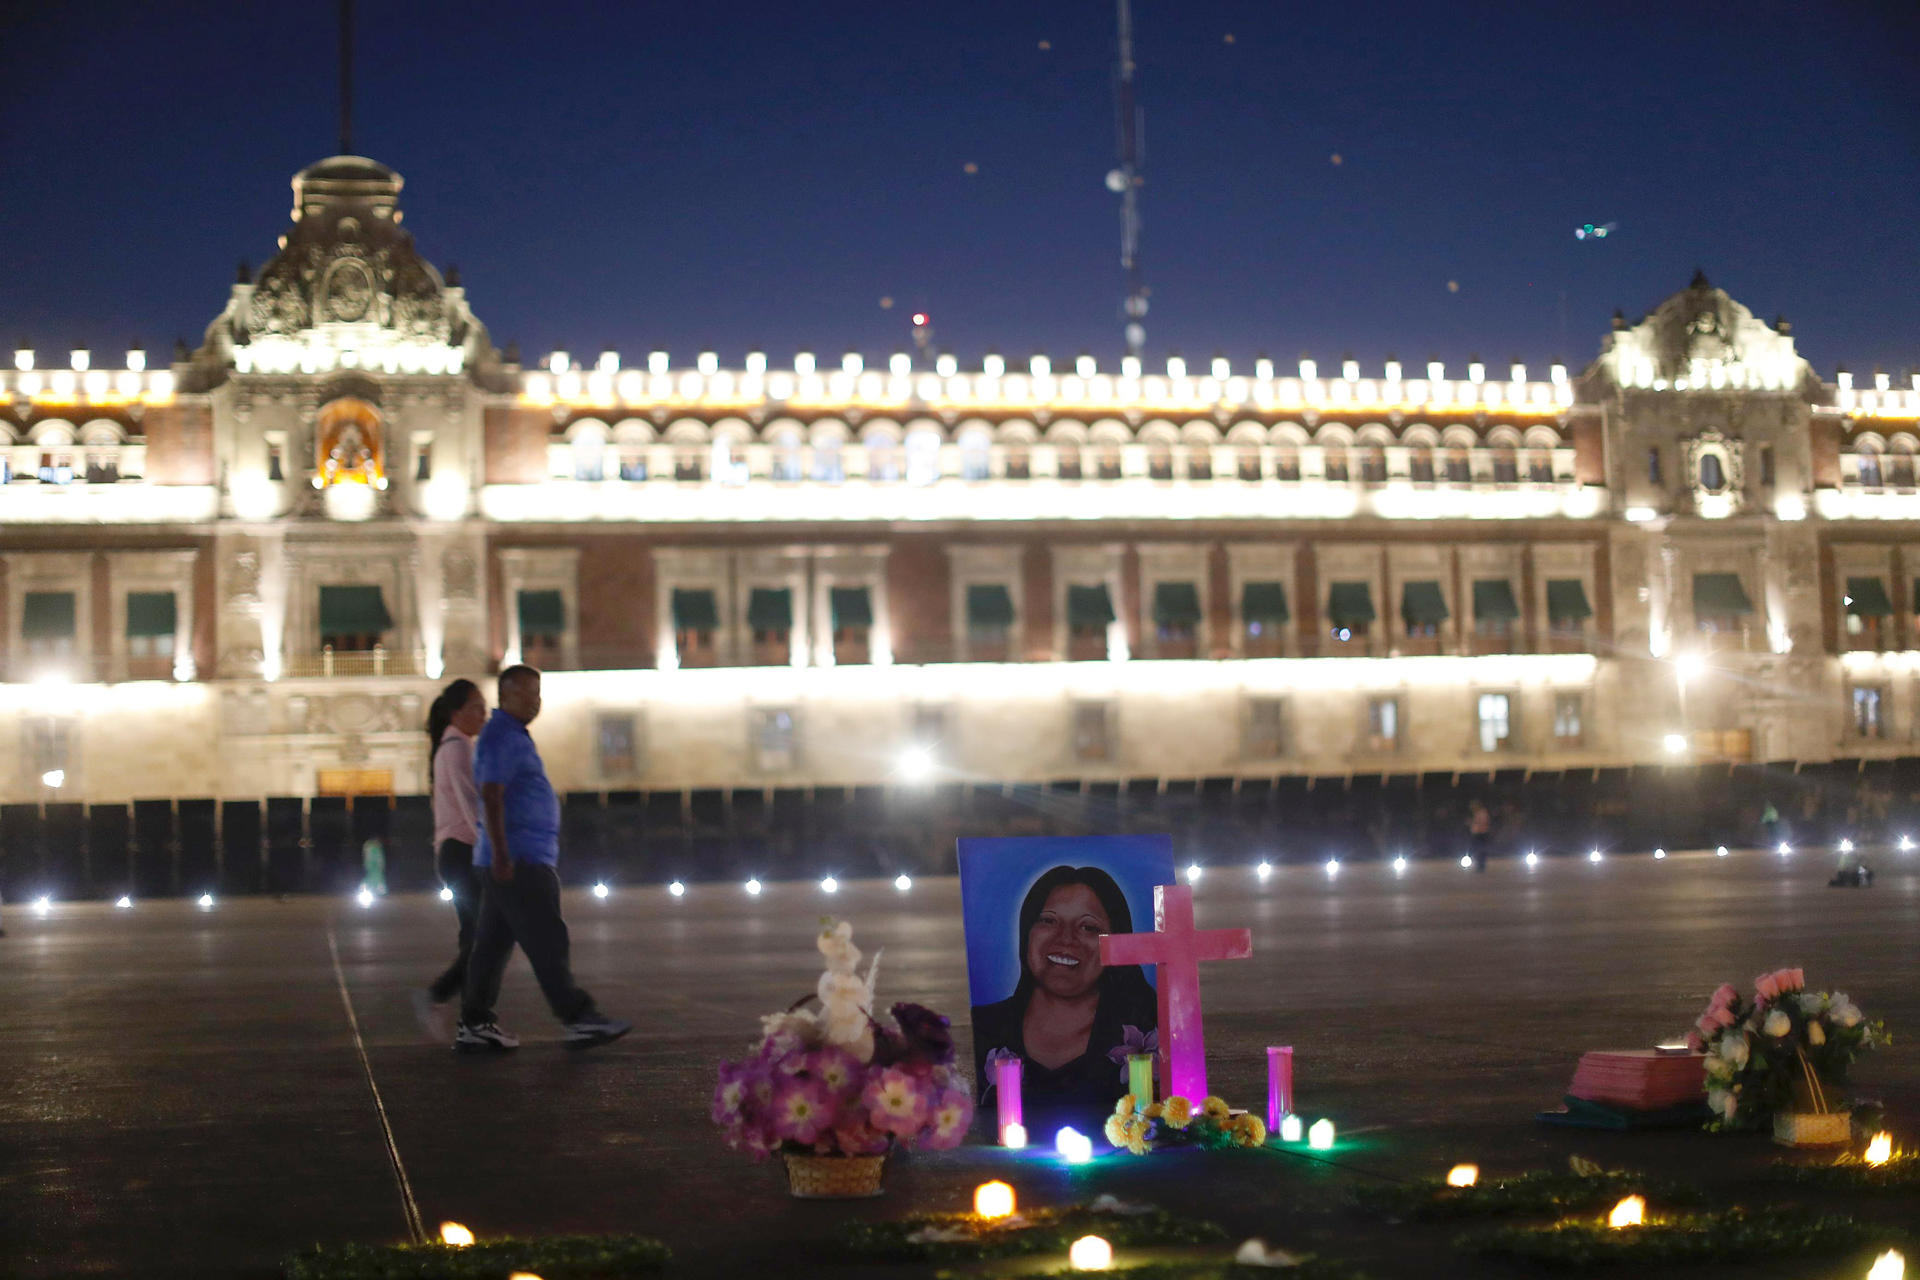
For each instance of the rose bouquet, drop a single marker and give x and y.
(1785, 1050)
(1140, 1127)
(836, 1080)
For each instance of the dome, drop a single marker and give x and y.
(353, 179)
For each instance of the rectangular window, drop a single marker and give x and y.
(633, 466)
(1766, 465)
(276, 469)
(989, 621)
(1540, 467)
(1286, 464)
(1089, 613)
(1336, 466)
(614, 746)
(56, 468)
(1264, 615)
(1247, 462)
(1067, 464)
(423, 462)
(1091, 732)
(1420, 466)
(773, 740)
(151, 623)
(696, 617)
(688, 464)
(770, 618)
(1160, 462)
(1383, 723)
(1107, 464)
(543, 624)
(47, 623)
(1176, 619)
(1265, 728)
(1567, 727)
(1019, 462)
(1459, 467)
(1199, 463)
(353, 619)
(1653, 467)
(1495, 723)
(852, 617)
(1506, 467)
(1869, 703)
(102, 467)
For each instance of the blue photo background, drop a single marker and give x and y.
(996, 874)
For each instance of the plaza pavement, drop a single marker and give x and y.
(180, 1091)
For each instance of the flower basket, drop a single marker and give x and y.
(835, 1177)
(1812, 1128)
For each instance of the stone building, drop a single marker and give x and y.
(246, 573)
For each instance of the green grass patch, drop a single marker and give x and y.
(1534, 1194)
(1850, 1173)
(961, 1237)
(1307, 1269)
(1733, 1235)
(550, 1258)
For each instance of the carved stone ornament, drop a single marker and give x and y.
(243, 578)
(1715, 467)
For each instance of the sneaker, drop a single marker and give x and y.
(485, 1038)
(595, 1028)
(435, 1016)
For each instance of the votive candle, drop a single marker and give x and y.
(1279, 1084)
(1140, 1077)
(1006, 1083)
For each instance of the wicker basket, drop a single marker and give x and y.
(835, 1177)
(1812, 1128)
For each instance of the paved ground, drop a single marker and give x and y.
(180, 1092)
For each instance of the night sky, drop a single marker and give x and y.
(730, 176)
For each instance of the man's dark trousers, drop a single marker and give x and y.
(525, 910)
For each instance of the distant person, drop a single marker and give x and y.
(517, 858)
(1068, 1011)
(1479, 833)
(453, 722)
(373, 866)
(1770, 824)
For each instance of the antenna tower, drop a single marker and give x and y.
(346, 77)
(1126, 181)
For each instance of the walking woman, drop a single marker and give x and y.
(453, 722)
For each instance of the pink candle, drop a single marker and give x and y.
(1006, 1084)
(1279, 1085)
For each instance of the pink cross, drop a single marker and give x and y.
(1177, 949)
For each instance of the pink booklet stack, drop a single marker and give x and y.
(1643, 1079)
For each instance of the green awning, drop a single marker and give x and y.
(542, 614)
(1089, 607)
(47, 615)
(1421, 604)
(1176, 604)
(770, 609)
(1350, 604)
(151, 613)
(1567, 600)
(1720, 595)
(852, 607)
(1264, 602)
(989, 605)
(694, 609)
(353, 611)
(1868, 598)
(1493, 601)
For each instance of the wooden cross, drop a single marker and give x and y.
(1176, 948)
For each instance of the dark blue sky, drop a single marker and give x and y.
(727, 175)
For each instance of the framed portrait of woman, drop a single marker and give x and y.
(1034, 909)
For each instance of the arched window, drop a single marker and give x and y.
(1199, 462)
(1106, 462)
(786, 456)
(1336, 464)
(1713, 476)
(1540, 466)
(1506, 466)
(1159, 460)
(1900, 465)
(1869, 467)
(1373, 465)
(976, 455)
(883, 457)
(1286, 463)
(828, 468)
(589, 455)
(923, 456)
(1459, 466)
(1420, 464)
(729, 461)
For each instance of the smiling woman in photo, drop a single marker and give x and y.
(1068, 1011)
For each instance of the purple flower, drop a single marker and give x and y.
(896, 1101)
(1133, 1040)
(839, 1071)
(802, 1111)
(730, 1095)
(951, 1113)
(924, 1034)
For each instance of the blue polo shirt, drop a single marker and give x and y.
(505, 754)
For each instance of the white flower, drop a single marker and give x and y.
(1816, 1034)
(1733, 1048)
(1717, 1100)
(1845, 1012)
(1719, 1069)
(1777, 1024)
(1811, 1002)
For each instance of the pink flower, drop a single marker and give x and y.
(1695, 1042)
(730, 1096)
(1724, 997)
(1723, 1017)
(837, 1069)
(1792, 979)
(1767, 986)
(896, 1101)
(856, 1136)
(802, 1111)
(952, 1113)
(1706, 1026)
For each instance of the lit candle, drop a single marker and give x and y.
(1279, 1084)
(1320, 1136)
(1140, 1077)
(1463, 1175)
(1090, 1253)
(1290, 1128)
(993, 1200)
(1880, 1149)
(1014, 1137)
(456, 1235)
(1006, 1083)
(1630, 1212)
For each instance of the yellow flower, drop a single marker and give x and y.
(1136, 1135)
(1125, 1107)
(1117, 1131)
(1153, 1112)
(1249, 1130)
(1177, 1112)
(1216, 1109)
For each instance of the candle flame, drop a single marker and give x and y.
(1090, 1253)
(1463, 1175)
(1631, 1212)
(1880, 1150)
(1014, 1136)
(1888, 1266)
(993, 1200)
(456, 1235)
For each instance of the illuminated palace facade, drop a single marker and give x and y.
(245, 573)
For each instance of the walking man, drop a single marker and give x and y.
(1480, 832)
(517, 860)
